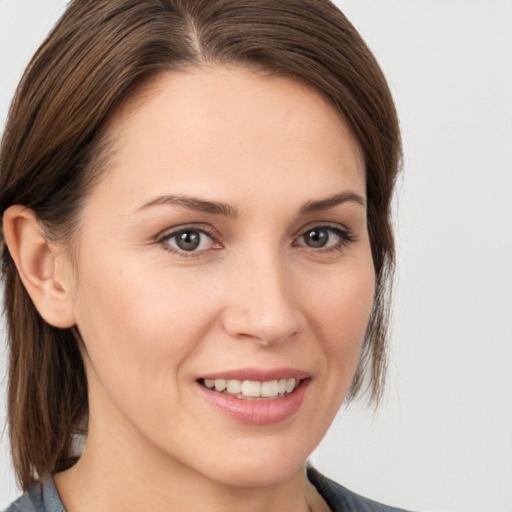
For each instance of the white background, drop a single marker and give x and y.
(442, 440)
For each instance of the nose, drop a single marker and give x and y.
(262, 304)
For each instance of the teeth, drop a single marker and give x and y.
(220, 384)
(252, 388)
(269, 388)
(234, 386)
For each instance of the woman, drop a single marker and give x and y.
(196, 202)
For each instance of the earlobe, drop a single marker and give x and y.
(36, 259)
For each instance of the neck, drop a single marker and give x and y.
(100, 481)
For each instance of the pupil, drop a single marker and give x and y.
(316, 237)
(189, 240)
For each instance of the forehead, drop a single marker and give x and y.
(210, 129)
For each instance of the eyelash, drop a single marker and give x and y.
(345, 238)
(167, 236)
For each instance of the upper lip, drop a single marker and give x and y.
(258, 374)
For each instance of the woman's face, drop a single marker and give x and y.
(225, 245)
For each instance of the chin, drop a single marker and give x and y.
(256, 475)
(258, 464)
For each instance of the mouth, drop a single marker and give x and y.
(255, 396)
(253, 390)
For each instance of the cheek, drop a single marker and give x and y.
(137, 327)
(341, 308)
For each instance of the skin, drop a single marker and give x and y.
(154, 319)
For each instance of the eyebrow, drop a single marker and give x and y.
(225, 209)
(192, 203)
(331, 202)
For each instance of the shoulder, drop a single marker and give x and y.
(38, 498)
(341, 499)
(30, 501)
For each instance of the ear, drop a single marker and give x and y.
(40, 266)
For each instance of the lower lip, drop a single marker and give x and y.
(258, 412)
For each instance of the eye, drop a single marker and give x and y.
(325, 237)
(188, 240)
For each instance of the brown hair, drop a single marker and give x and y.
(99, 53)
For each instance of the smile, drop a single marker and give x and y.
(256, 396)
(252, 389)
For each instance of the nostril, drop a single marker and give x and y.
(262, 327)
